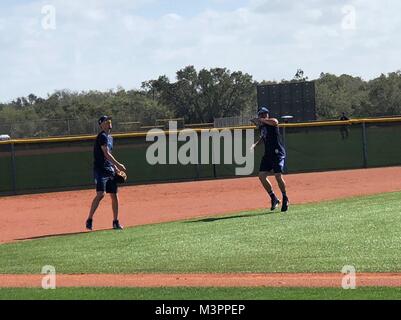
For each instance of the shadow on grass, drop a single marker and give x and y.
(251, 215)
(59, 235)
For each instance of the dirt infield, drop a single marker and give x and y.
(33, 216)
(293, 280)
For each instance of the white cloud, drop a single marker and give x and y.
(101, 44)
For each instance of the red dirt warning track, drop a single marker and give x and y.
(31, 216)
(304, 280)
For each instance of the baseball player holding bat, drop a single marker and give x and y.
(274, 157)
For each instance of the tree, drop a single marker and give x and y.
(204, 95)
(299, 76)
(198, 96)
(385, 95)
(345, 93)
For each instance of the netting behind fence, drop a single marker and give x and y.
(227, 122)
(69, 127)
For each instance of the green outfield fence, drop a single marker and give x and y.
(43, 165)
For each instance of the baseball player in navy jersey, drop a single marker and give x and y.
(105, 167)
(274, 157)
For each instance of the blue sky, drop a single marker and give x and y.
(102, 44)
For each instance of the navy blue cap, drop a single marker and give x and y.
(263, 110)
(103, 119)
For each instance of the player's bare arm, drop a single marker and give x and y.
(113, 160)
(270, 122)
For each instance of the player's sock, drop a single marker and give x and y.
(272, 195)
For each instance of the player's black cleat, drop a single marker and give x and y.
(89, 224)
(286, 203)
(275, 203)
(116, 225)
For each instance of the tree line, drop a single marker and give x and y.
(200, 96)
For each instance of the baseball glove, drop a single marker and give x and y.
(120, 177)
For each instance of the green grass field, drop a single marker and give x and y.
(364, 232)
(201, 294)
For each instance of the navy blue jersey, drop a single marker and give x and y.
(273, 142)
(101, 163)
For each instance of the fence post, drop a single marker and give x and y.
(13, 169)
(365, 145)
(68, 127)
